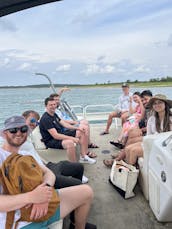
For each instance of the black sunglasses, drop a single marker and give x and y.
(23, 129)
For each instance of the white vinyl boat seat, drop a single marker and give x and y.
(56, 225)
(54, 155)
(143, 163)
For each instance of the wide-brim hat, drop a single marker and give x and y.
(12, 122)
(160, 97)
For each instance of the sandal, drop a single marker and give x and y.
(92, 145)
(91, 154)
(108, 162)
(120, 156)
(104, 132)
(117, 144)
(114, 156)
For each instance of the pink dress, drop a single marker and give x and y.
(132, 121)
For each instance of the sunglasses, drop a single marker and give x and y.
(23, 129)
(33, 120)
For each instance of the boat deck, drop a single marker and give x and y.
(109, 209)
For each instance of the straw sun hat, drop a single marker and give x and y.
(162, 98)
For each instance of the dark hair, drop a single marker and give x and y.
(136, 93)
(47, 100)
(166, 122)
(146, 93)
(28, 112)
(54, 95)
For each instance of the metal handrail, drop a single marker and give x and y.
(85, 110)
(80, 107)
(167, 141)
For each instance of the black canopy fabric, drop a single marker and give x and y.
(12, 6)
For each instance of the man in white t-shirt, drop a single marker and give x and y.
(15, 134)
(122, 110)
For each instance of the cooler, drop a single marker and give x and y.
(160, 178)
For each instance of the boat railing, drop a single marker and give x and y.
(79, 111)
(97, 112)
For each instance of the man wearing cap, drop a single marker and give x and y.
(122, 110)
(15, 132)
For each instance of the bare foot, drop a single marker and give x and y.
(120, 156)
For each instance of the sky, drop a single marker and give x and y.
(87, 42)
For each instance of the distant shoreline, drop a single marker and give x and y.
(132, 84)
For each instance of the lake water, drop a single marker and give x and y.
(15, 101)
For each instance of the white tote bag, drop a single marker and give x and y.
(124, 177)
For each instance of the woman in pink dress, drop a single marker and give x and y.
(136, 114)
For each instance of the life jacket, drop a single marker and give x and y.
(21, 174)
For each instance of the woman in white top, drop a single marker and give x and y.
(161, 120)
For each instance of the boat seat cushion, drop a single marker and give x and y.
(36, 139)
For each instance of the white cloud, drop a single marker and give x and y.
(95, 68)
(142, 69)
(63, 68)
(4, 62)
(24, 67)
(7, 25)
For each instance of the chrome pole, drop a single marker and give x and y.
(47, 77)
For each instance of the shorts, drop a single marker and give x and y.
(70, 132)
(119, 114)
(57, 144)
(44, 224)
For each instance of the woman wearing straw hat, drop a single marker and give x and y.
(161, 121)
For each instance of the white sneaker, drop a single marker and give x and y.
(84, 179)
(87, 159)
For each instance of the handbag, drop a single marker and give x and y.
(124, 177)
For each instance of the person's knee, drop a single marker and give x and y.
(79, 167)
(89, 194)
(84, 122)
(112, 115)
(69, 144)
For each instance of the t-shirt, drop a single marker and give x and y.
(63, 115)
(28, 147)
(48, 122)
(124, 102)
(3, 155)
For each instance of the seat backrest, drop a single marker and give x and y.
(36, 139)
(147, 146)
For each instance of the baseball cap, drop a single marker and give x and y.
(14, 121)
(124, 85)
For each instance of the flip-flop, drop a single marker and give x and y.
(108, 162)
(92, 145)
(117, 144)
(91, 154)
(104, 132)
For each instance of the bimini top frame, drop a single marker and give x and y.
(12, 6)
